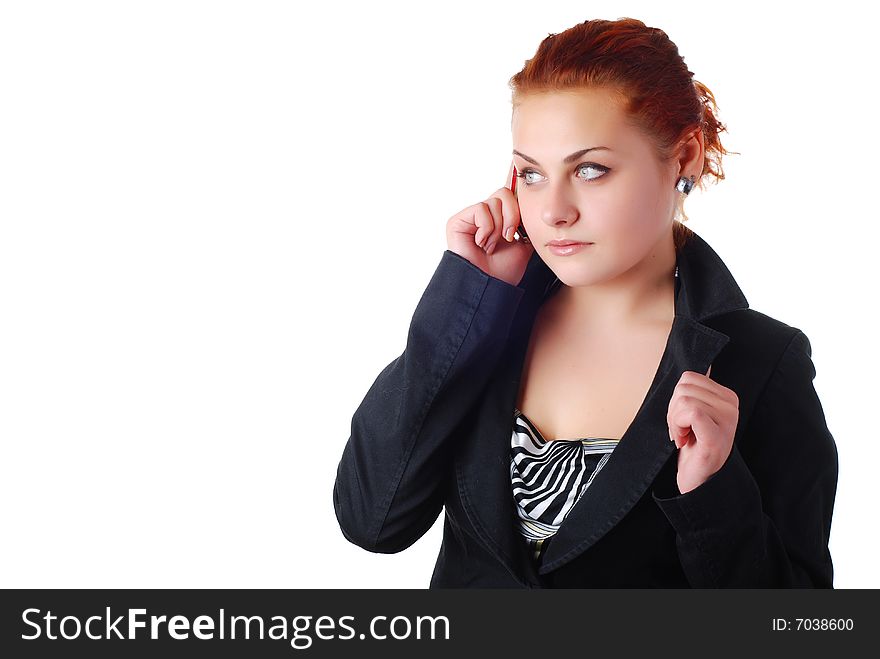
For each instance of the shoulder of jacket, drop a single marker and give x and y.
(758, 338)
(751, 325)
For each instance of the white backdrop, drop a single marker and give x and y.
(216, 220)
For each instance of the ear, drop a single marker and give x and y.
(692, 153)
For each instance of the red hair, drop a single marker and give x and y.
(643, 67)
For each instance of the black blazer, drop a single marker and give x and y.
(434, 430)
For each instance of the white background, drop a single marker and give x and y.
(218, 218)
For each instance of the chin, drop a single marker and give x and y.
(574, 276)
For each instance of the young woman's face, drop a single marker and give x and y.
(621, 198)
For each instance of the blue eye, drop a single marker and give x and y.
(587, 165)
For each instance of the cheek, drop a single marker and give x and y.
(639, 207)
(621, 214)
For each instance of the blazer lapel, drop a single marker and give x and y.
(641, 452)
(482, 463)
(706, 288)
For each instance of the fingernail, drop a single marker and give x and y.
(508, 234)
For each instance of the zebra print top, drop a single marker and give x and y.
(548, 478)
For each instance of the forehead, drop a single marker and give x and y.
(572, 119)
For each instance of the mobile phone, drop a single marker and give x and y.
(521, 230)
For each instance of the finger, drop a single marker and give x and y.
(709, 396)
(698, 380)
(510, 217)
(485, 225)
(702, 425)
(678, 433)
(496, 207)
(681, 439)
(705, 382)
(463, 221)
(690, 411)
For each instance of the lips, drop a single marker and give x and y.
(563, 243)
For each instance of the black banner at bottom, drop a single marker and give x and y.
(392, 623)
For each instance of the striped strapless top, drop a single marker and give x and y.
(548, 478)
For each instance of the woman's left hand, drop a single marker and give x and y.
(702, 421)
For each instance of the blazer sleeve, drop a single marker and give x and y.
(390, 482)
(765, 524)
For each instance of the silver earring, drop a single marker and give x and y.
(685, 185)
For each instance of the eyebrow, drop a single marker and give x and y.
(568, 159)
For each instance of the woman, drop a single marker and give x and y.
(607, 414)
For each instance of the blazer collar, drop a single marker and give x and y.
(705, 288)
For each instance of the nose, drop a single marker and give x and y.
(559, 208)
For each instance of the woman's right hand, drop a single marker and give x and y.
(478, 234)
